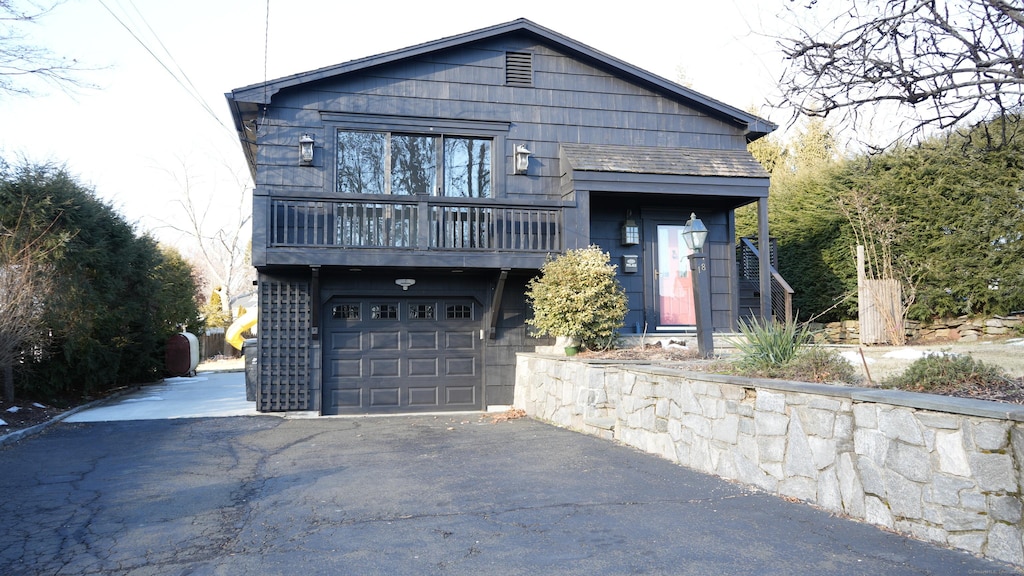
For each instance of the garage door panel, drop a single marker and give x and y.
(423, 395)
(460, 395)
(460, 366)
(422, 340)
(462, 340)
(345, 368)
(385, 340)
(347, 397)
(384, 367)
(386, 397)
(423, 367)
(347, 341)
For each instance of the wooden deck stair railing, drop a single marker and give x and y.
(781, 293)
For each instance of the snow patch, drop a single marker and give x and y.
(38, 405)
(853, 357)
(2, 423)
(912, 354)
(14, 409)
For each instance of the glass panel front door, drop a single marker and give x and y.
(675, 286)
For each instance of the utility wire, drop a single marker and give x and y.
(194, 90)
(190, 89)
(266, 51)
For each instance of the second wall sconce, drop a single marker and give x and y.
(522, 159)
(305, 150)
(630, 231)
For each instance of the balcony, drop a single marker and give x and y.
(436, 224)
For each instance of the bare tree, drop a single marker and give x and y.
(892, 277)
(22, 61)
(937, 63)
(220, 234)
(24, 289)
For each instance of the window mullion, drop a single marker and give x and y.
(387, 163)
(439, 162)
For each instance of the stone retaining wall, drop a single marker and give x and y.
(962, 329)
(946, 470)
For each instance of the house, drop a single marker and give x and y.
(404, 200)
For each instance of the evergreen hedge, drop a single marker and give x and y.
(117, 296)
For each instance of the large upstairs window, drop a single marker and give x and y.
(413, 164)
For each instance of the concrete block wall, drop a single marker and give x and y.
(947, 470)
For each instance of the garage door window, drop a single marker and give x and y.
(384, 312)
(346, 311)
(421, 311)
(459, 311)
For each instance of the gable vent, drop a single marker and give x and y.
(519, 69)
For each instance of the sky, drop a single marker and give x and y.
(149, 125)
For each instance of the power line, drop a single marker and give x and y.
(190, 88)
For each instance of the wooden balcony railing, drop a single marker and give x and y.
(415, 225)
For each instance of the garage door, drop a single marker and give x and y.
(402, 355)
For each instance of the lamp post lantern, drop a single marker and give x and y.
(695, 234)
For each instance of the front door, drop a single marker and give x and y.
(401, 355)
(674, 297)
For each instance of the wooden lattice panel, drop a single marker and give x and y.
(284, 364)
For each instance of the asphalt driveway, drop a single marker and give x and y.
(405, 495)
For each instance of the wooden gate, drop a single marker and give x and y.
(879, 307)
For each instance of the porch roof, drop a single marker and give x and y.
(665, 161)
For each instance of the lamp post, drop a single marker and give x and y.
(695, 234)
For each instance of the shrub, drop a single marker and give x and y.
(577, 296)
(786, 350)
(947, 374)
(770, 344)
(817, 364)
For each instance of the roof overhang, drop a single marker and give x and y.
(733, 177)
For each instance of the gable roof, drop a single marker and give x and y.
(246, 100)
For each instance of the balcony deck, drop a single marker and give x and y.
(451, 229)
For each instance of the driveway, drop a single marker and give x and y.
(451, 494)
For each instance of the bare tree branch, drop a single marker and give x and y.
(941, 63)
(220, 238)
(21, 60)
(25, 284)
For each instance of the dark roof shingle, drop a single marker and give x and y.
(657, 160)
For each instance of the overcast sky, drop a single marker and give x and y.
(142, 125)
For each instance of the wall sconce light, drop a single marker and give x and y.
(630, 231)
(522, 159)
(305, 150)
(405, 283)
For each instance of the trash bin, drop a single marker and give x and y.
(250, 353)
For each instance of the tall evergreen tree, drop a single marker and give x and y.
(804, 220)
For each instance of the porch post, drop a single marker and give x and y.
(764, 260)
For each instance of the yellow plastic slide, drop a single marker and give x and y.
(233, 335)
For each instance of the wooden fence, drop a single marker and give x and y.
(212, 344)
